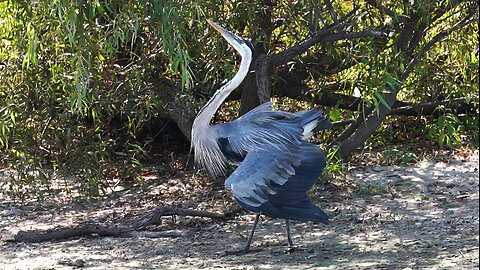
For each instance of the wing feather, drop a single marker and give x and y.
(262, 128)
(266, 182)
(279, 166)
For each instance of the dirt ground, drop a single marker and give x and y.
(424, 216)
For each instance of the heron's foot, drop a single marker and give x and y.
(292, 249)
(240, 252)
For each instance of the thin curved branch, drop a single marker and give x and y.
(128, 228)
(398, 17)
(322, 36)
(319, 36)
(332, 11)
(287, 55)
(438, 37)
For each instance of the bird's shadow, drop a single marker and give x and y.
(241, 252)
(288, 250)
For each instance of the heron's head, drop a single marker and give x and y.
(239, 43)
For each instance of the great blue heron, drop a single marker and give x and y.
(276, 165)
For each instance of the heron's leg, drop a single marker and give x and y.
(246, 248)
(250, 237)
(249, 240)
(290, 242)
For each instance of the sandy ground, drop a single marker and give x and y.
(424, 216)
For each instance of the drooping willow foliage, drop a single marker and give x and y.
(80, 79)
(75, 84)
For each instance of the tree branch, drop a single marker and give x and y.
(353, 35)
(332, 11)
(392, 14)
(173, 211)
(410, 109)
(325, 35)
(469, 18)
(83, 229)
(263, 65)
(120, 230)
(285, 56)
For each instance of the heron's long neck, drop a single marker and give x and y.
(208, 111)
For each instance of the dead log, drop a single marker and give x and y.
(84, 229)
(154, 216)
(92, 228)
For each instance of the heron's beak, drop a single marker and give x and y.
(231, 38)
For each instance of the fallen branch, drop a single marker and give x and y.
(120, 230)
(83, 229)
(160, 234)
(155, 215)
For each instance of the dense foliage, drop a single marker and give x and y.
(81, 81)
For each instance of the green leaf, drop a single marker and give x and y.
(441, 122)
(334, 114)
(441, 140)
(382, 100)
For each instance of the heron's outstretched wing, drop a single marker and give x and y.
(275, 183)
(263, 127)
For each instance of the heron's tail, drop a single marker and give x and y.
(307, 212)
(313, 120)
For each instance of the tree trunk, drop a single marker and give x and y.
(256, 86)
(249, 99)
(363, 131)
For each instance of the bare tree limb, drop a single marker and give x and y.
(434, 104)
(132, 229)
(342, 123)
(332, 11)
(83, 229)
(352, 127)
(172, 211)
(409, 110)
(392, 14)
(290, 53)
